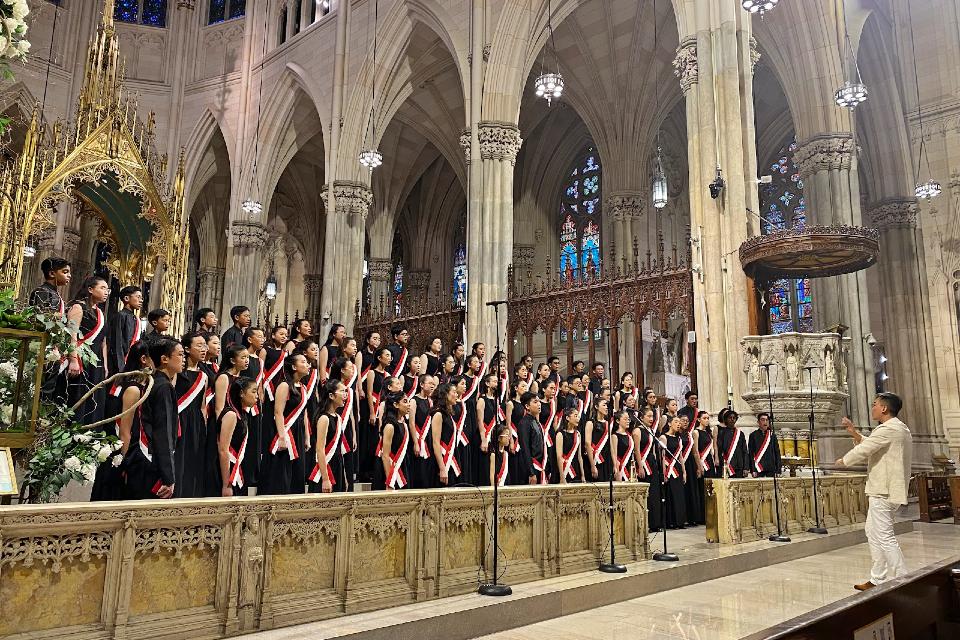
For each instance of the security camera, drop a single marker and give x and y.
(716, 187)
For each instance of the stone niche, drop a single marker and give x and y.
(789, 355)
(220, 567)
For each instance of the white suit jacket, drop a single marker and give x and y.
(888, 452)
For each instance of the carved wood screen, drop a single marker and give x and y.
(659, 286)
(425, 313)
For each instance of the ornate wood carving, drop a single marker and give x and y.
(431, 313)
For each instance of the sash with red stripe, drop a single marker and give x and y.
(116, 390)
(687, 448)
(761, 452)
(541, 467)
(546, 425)
(329, 449)
(568, 470)
(288, 422)
(645, 455)
(143, 441)
(471, 389)
(420, 447)
(670, 461)
(487, 427)
(502, 472)
(191, 394)
(236, 458)
(448, 449)
(514, 434)
(345, 416)
(138, 329)
(401, 363)
(397, 479)
(622, 474)
(458, 424)
(268, 383)
(308, 391)
(728, 456)
(604, 438)
(705, 456)
(95, 331)
(413, 388)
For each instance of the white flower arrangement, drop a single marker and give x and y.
(13, 29)
(72, 464)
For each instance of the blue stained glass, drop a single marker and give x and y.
(786, 198)
(218, 11)
(591, 250)
(460, 276)
(563, 335)
(580, 210)
(569, 260)
(591, 185)
(155, 13)
(398, 287)
(126, 10)
(591, 165)
(238, 8)
(573, 191)
(591, 205)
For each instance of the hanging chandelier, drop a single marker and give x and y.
(370, 157)
(252, 207)
(758, 6)
(851, 94)
(549, 84)
(928, 190)
(659, 183)
(931, 188)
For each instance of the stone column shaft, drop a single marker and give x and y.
(343, 251)
(244, 262)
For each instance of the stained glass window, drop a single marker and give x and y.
(460, 276)
(789, 302)
(579, 219)
(126, 10)
(283, 26)
(237, 8)
(155, 13)
(149, 12)
(398, 287)
(218, 11)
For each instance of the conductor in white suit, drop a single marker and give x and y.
(887, 452)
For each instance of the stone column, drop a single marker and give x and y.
(312, 285)
(245, 253)
(490, 234)
(832, 193)
(291, 19)
(720, 133)
(380, 272)
(626, 210)
(906, 338)
(211, 290)
(343, 251)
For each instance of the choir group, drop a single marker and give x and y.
(286, 413)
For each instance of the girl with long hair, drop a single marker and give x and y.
(328, 472)
(431, 359)
(569, 464)
(645, 453)
(331, 349)
(598, 431)
(393, 471)
(234, 436)
(192, 438)
(445, 436)
(300, 330)
(85, 313)
(283, 467)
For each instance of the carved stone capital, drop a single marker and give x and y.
(312, 282)
(827, 152)
(417, 280)
(685, 64)
(46, 240)
(380, 270)
(624, 206)
(892, 214)
(499, 141)
(210, 276)
(523, 255)
(248, 234)
(754, 54)
(350, 198)
(465, 144)
(71, 241)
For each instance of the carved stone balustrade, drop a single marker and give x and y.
(220, 567)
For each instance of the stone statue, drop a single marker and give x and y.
(251, 572)
(829, 368)
(755, 369)
(793, 370)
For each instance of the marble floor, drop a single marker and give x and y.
(742, 604)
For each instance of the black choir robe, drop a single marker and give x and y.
(770, 462)
(158, 425)
(123, 327)
(740, 457)
(233, 335)
(531, 448)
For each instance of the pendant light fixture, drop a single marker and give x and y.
(852, 92)
(758, 6)
(659, 176)
(252, 205)
(370, 157)
(549, 84)
(931, 188)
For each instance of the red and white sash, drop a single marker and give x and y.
(514, 434)
(624, 460)
(581, 407)
(95, 331)
(502, 473)
(144, 444)
(268, 384)
(116, 390)
(346, 413)
(541, 467)
(546, 425)
(728, 456)
(413, 388)
(329, 449)
(288, 422)
(136, 335)
(236, 458)
(191, 394)
(645, 455)
(458, 424)
(487, 427)
(670, 460)
(705, 456)
(447, 451)
(397, 479)
(568, 471)
(471, 389)
(688, 448)
(421, 447)
(599, 445)
(763, 450)
(401, 364)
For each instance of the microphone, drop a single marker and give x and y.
(496, 303)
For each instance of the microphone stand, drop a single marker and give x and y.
(612, 566)
(495, 588)
(817, 528)
(779, 537)
(664, 556)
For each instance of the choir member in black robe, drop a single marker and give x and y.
(371, 344)
(693, 488)
(531, 442)
(732, 446)
(56, 273)
(706, 446)
(674, 475)
(690, 411)
(399, 350)
(369, 428)
(472, 379)
(328, 472)
(393, 472)
(423, 466)
(331, 349)
(85, 313)
(241, 320)
(553, 364)
(159, 321)
(627, 388)
(648, 463)
(193, 457)
(431, 359)
(206, 320)
(499, 456)
(764, 449)
(445, 435)
(346, 371)
(514, 413)
(254, 339)
(234, 436)
(488, 414)
(596, 378)
(448, 368)
(549, 420)
(568, 444)
(299, 331)
(459, 352)
(124, 329)
(597, 433)
(149, 464)
(282, 468)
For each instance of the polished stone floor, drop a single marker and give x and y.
(742, 604)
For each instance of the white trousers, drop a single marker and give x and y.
(884, 549)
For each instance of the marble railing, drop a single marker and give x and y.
(742, 510)
(214, 567)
